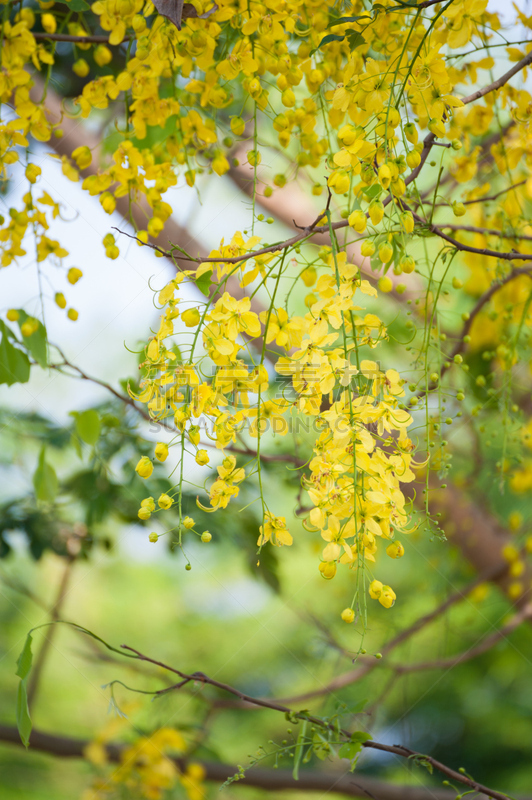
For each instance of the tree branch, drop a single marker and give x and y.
(482, 647)
(269, 779)
(398, 750)
(66, 37)
(367, 664)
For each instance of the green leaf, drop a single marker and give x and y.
(45, 480)
(355, 39)
(349, 750)
(373, 191)
(331, 37)
(23, 714)
(25, 659)
(88, 426)
(204, 282)
(14, 364)
(344, 20)
(299, 750)
(360, 736)
(24, 663)
(37, 342)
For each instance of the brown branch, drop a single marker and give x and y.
(66, 37)
(482, 647)
(480, 251)
(499, 83)
(485, 199)
(368, 664)
(398, 750)
(481, 302)
(75, 135)
(487, 231)
(267, 779)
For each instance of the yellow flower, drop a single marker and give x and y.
(387, 597)
(395, 550)
(191, 317)
(375, 590)
(202, 458)
(275, 531)
(358, 221)
(74, 274)
(165, 501)
(161, 451)
(144, 467)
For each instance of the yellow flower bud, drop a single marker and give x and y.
(375, 589)
(148, 503)
(102, 55)
(194, 434)
(32, 172)
(73, 275)
(385, 252)
(12, 315)
(144, 513)
(82, 156)
(72, 314)
(358, 221)
(385, 284)
(308, 276)
(112, 252)
(238, 126)
(288, 98)
(437, 127)
(407, 264)
(108, 202)
(395, 550)
(81, 68)
(459, 209)
(310, 299)
(161, 451)
(191, 317)
(153, 537)
(155, 226)
(348, 615)
(367, 248)
(202, 458)
(254, 157)
(376, 211)
(188, 523)
(49, 23)
(328, 569)
(407, 221)
(413, 159)
(165, 501)
(206, 536)
(411, 133)
(384, 175)
(387, 597)
(144, 467)
(60, 299)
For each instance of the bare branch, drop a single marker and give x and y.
(482, 647)
(398, 750)
(268, 779)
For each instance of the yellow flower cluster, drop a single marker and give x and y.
(362, 453)
(351, 107)
(145, 768)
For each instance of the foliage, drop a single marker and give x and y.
(333, 390)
